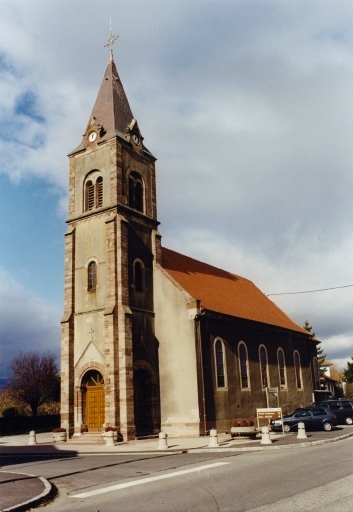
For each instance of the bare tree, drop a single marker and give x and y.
(35, 379)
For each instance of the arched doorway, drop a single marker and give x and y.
(144, 390)
(93, 400)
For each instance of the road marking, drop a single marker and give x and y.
(146, 480)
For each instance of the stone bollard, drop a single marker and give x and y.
(301, 431)
(265, 439)
(213, 438)
(110, 438)
(32, 438)
(162, 443)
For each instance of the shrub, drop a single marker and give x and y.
(243, 423)
(10, 412)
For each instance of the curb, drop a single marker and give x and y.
(48, 493)
(204, 449)
(257, 448)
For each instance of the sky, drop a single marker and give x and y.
(248, 107)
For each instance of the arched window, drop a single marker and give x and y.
(89, 196)
(93, 191)
(263, 367)
(136, 191)
(139, 196)
(92, 276)
(298, 370)
(316, 373)
(139, 276)
(281, 369)
(131, 191)
(220, 364)
(243, 366)
(99, 192)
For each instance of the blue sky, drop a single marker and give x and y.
(33, 220)
(247, 105)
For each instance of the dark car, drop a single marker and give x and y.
(314, 418)
(342, 409)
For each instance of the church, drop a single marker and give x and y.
(153, 340)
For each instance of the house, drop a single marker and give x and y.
(329, 386)
(152, 339)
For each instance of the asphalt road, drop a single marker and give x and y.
(301, 479)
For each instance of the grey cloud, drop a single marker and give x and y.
(26, 324)
(247, 105)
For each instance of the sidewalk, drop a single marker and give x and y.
(23, 491)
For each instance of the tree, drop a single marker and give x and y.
(336, 373)
(348, 391)
(321, 357)
(308, 328)
(35, 379)
(348, 372)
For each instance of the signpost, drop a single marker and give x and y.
(272, 397)
(265, 415)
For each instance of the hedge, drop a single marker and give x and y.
(23, 424)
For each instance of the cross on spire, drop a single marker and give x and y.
(111, 40)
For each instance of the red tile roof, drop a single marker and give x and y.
(222, 292)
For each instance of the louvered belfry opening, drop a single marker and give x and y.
(89, 199)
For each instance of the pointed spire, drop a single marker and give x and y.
(112, 109)
(111, 115)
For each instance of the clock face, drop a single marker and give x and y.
(92, 136)
(135, 139)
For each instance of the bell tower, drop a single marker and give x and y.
(109, 354)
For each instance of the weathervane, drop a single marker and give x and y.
(111, 40)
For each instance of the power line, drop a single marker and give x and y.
(312, 291)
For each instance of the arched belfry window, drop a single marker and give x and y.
(220, 364)
(92, 276)
(263, 366)
(93, 191)
(136, 192)
(99, 192)
(89, 196)
(281, 369)
(243, 366)
(298, 370)
(139, 276)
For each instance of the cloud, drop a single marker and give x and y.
(248, 107)
(26, 323)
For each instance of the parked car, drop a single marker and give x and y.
(314, 418)
(342, 409)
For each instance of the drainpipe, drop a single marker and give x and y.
(199, 349)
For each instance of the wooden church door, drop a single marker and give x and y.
(94, 401)
(95, 404)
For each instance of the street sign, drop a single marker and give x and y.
(266, 414)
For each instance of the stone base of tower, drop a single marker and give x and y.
(128, 433)
(181, 429)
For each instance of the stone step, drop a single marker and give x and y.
(87, 438)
